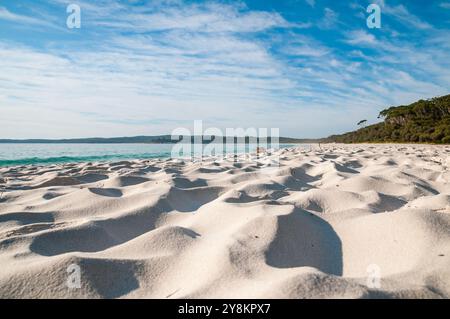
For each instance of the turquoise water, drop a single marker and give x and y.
(23, 154)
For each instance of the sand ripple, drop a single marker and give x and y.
(316, 226)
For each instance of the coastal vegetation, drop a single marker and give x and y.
(424, 121)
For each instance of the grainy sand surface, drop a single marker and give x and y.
(343, 221)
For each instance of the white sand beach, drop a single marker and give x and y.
(340, 221)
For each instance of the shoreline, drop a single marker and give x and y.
(36, 161)
(143, 157)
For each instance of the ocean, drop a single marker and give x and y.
(25, 154)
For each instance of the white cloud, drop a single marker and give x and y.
(306, 47)
(329, 20)
(381, 3)
(161, 65)
(202, 17)
(361, 37)
(7, 15)
(312, 3)
(305, 50)
(402, 14)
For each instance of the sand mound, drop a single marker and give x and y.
(343, 221)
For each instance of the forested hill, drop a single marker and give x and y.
(161, 139)
(424, 121)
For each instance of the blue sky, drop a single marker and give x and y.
(135, 67)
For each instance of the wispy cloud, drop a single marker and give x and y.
(312, 3)
(402, 14)
(170, 15)
(329, 20)
(361, 37)
(7, 15)
(304, 46)
(144, 69)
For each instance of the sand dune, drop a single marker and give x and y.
(340, 221)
